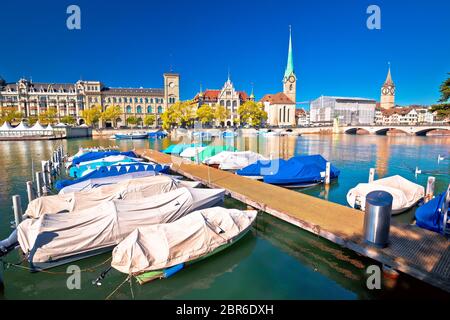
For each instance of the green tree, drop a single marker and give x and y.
(221, 113)
(252, 113)
(31, 120)
(112, 113)
(68, 120)
(205, 113)
(50, 116)
(179, 114)
(445, 90)
(92, 115)
(132, 121)
(10, 115)
(149, 120)
(443, 109)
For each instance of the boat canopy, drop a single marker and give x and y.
(262, 168)
(124, 190)
(405, 193)
(94, 155)
(430, 215)
(37, 126)
(179, 148)
(301, 170)
(53, 237)
(191, 152)
(80, 169)
(21, 127)
(49, 127)
(229, 160)
(6, 126)
(194, 236)
(210, 151)
(115, 170)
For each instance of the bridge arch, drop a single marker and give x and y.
(425, 131)
(357, 130)
(384, 131)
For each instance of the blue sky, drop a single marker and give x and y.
(131, 43)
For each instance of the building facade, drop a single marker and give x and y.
(33, 98)
(347, 110)
(413, 115)
(228, 97)
(280, 107)
(387, 100)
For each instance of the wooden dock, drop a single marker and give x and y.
(414, 251)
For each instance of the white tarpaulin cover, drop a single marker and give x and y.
(161, 246)
(191, 152)
(21, 127)
(405, 193)
(124, 190)
(58, 236)
(6, 126)
(37, 126)
(228, 160)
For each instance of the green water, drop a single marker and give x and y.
(274, 261)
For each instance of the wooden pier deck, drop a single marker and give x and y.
(414, 251)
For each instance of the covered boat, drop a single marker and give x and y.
(301, 171)
(6, 126)
(191, 153)
(151, 252)
(157, 135)
(80, 169)
(229, 134)
(112, 171)
(125, 190)
(406, 194)
(55, 239)
(229, 160)
(261, 168)
(176, 149)
(131, 136)
(435, 214)
(210, 151)
(95, 155)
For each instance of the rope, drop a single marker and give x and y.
(115, 290)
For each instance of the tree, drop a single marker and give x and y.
(112, 113)
(132, 120)
(49, 116)
(31, 120)
(149, 120)
(92, 115)
(221, 114)
(443, 109)
(445, 90)
(252, 113)
(68, 120)
(205, 113)
(179, 114)
(10, 115)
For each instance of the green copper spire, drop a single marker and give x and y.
(290, 61)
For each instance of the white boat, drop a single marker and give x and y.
(405, 193)
(229, 160)
(195, 236)
(191, 152)
(124, 190)
(56, 239)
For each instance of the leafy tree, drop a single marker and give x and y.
(132, 120)
(31, 120)
(221, 113)
(50, 116)
(443, 109)
(91, 115)
(445, 90)
(149, 120)
(10, 115)
(112, 113)
(179, 114)
(205, 113)
(252, 113)
(68, 120)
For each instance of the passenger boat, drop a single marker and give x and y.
(159, 251)
(131, 136)
(57, 239)
(405, 193)
(233, 160)
(435, 214)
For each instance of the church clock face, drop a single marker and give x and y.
(392, 90)
(291, 79)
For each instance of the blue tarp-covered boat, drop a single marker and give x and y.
(261, 168)
(115, 170)
(430, 216)
(101, 154)
(79, 170)
(302, 171)
(157, 135)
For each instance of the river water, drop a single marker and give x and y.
(274, 261)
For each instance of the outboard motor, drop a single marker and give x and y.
(8, 244)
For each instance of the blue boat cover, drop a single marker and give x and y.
(300, 170)
(428, 215)
(158, 134)
(262, 168)
(77, 171)
(101, 154)
(112, 171)
(179, 148)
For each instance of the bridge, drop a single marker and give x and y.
(383, 129)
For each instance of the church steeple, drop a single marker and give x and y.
(389, 77)
(290, 61)
(387, 100)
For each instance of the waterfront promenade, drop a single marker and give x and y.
(414, 251)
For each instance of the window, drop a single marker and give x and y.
(138, 109)
(136, 100)
(141, 100)
(146, 100)
(149, 109)
(160, 109)
(151, 100)
(128, 110)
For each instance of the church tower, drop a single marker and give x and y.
(387, 100)
(290, 79)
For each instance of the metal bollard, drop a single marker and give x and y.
(30, 191)
(39, 183)
(327, 173)
(377, 218)
(44, 170)
(17, 207)
(430, 189)
(371, 175)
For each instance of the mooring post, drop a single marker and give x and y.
(44, 170)
(30, 191)
(39, 183)
(430, 189)
(17, 207)
(371, 175)
(327, 173)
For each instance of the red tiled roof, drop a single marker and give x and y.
(278, 98)
(300, 112)
(213, 95)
